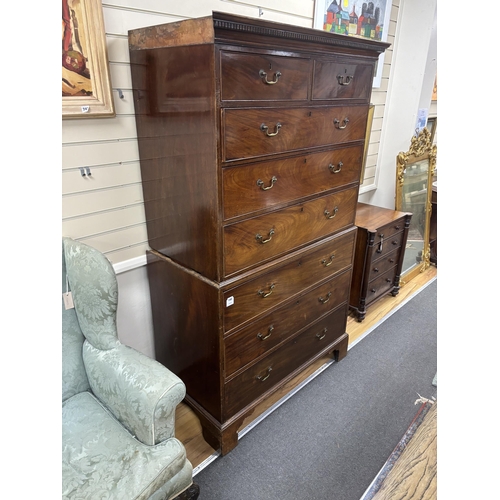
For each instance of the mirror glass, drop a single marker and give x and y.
(414, 200)
(415, 174)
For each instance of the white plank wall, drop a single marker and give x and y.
(106, 209)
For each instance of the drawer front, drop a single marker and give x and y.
(267, 184)
(382, 265)
(251, 342)
(251, 133)
(252, 298)
(264, 77)
(386, 243)
(265, 374)
(339, 80)
(262, 238)
(380, 286)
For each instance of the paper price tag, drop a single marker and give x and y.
(229, 301)
(68, 300)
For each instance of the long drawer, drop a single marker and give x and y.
(269, 371)
(264, 77)
(262, 238)
(259, 295)
(248, 344)
(256, 132)
(264, 185)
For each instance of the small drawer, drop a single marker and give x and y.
(383, 264)
(381, 285)
(291, 279)
(264, 185)
(262, 77)
(256, 132)
(250, 343)
(342, 80)
(268, 236)
(385, 243)
(261, 377)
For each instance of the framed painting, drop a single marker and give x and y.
(86, 84)
(353, 18)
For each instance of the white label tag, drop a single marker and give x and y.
(68, 300)
(85, 109)
(229, 301)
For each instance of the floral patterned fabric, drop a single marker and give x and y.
(118, 404)
(102, 461)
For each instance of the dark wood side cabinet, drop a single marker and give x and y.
(380, 247)
(251, 141)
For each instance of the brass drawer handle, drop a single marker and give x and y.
(263, 378)
(328, 215)
(266, 294)
(265, 129)
(348, 79)
(328, 262)
(334, 170)
(260, 183)
(345, 121)
(258, 237)
(269, 333)
(263, 75)
(324, 300)
(322, 335)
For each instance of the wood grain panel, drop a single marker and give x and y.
(290, 280)
(295, 178)
(300, 128)
(285, 78)
(286, 229)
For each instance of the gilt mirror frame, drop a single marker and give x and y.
(421, 149)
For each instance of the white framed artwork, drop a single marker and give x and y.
(355, 18)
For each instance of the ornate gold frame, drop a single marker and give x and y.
(91, 31)
(421, 148)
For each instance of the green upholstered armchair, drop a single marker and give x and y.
(118, 405)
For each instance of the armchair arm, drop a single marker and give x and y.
(139, 391)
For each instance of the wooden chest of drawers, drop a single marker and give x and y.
(251, 138)
(380, 247)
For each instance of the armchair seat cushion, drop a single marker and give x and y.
(102, 460)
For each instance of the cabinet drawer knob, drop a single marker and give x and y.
(328, 215)
(328, 262)
(395, 242)
(391, 261)
(345, 121)
(266, 294)
(388, 280)
(263, 75)
(373, 290)
(397, 228)
(259, 237)
(337, 169)
(375, 270)
(348, 79)
(260, 183)
(269, 333)
(324, 300)
(265, 129)
(322, 335)
(263, 378)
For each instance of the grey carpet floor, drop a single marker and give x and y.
(330, 440)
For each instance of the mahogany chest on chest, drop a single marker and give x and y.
(251, 139)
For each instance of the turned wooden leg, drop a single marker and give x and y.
(190, 494)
